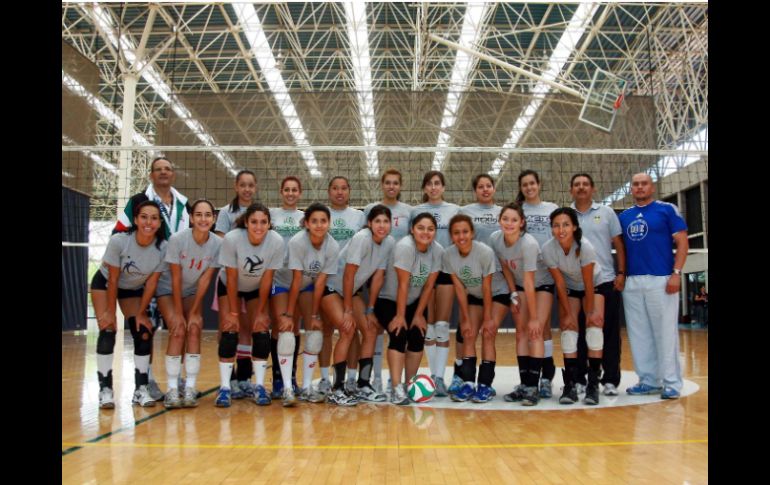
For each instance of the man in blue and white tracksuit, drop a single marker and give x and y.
(651, 296)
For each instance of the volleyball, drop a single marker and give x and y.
(421, 388)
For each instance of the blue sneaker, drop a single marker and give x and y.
(277, 389)
(261, 397)
(223, 398)
(465, 392)
(641, 389)
(483, 394)
(235, 390)
(669, 393)
(456, 384)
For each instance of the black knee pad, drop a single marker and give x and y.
(228, 344)
(459, 335)
(260, 345)
(398, 342)
(142, 338)
(415, 340)
(105, 344)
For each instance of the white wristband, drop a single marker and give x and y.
(514, 298)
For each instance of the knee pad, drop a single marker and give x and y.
(430, 332)
(314, 341)
(569, 339)
(286, 343)
(595, 338)
(105, 344)
(260, 345)
(142, 338)
(398, 342)
(228, 344)
(442, 331)
(414, 340)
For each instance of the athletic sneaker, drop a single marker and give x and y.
(516, 395)
(669, 393)
(465, 392)
(277, 392)
(289, 399)
(311, 395)
(340, 398)
(324, 386)
(581, 388)
(235, 390)
(181, 382)
(569, 394)
(223, 399)
(440, 387)
(172, 400)
(190, 398)
(246, 388)
(367, 393)
(261, 396)
(483, 394)
(545, 388)
(641, 389)
(351, 386)
(398, 395)
(455, 385)
(610, 390)
(142, 397)
(377, 384)
(592, 395)
(154, 390)
(530, 396)
(106, 398)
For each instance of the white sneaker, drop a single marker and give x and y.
(367, 393)
(172, 399)
(610, 390)
(142, 397)
(351, 387)
(398, 395)
(324, 386)
(190, 399)
(106, 399)
(377, 384)
(289, 399)
(311, 395)
(154, 390)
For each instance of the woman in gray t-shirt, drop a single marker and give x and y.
(571, 259)
(483, 306)
(365, 255)
(131, 267)
(245, 190)
(192, 256)
(250, 254)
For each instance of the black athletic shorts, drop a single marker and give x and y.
(99, 282)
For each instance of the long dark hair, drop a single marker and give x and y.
(234, 204)
(572, 214)
(160, 234)
(426, 178)
(255, 207)
(520, 198)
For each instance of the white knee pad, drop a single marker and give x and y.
(569, 339)
(442, 331)
(286, 343)
(595, 338)
(314, 341)
(430, 332)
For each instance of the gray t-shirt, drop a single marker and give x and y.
(136, 263)
(193, 258)
(472, 269)
(286, 222)
(521, 257)
(226, 219)
(600, 224)
(345, 224)
(539, 226)
(570, 264)
(420, 265)
(364, 252)
(443, 212)
(484, 220)
(311, 261)
(251, 261)
(401, 218)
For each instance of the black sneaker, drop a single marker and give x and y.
(531, 396)
(569, 394)
(592, 395)
(516, 395)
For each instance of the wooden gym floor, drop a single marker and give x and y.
(662, 442)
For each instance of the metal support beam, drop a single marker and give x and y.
(126, 140)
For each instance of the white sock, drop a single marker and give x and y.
(104, 363)
(225, 369)
(173, 369)
(309, 363)
(325, 373)
(142, 363)
(192, 365)
(430, 353)
(377, 357)
(259, 370)
(149, 370)
(351, 374)
(441, 355)
(548, 348)
(285, 362)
